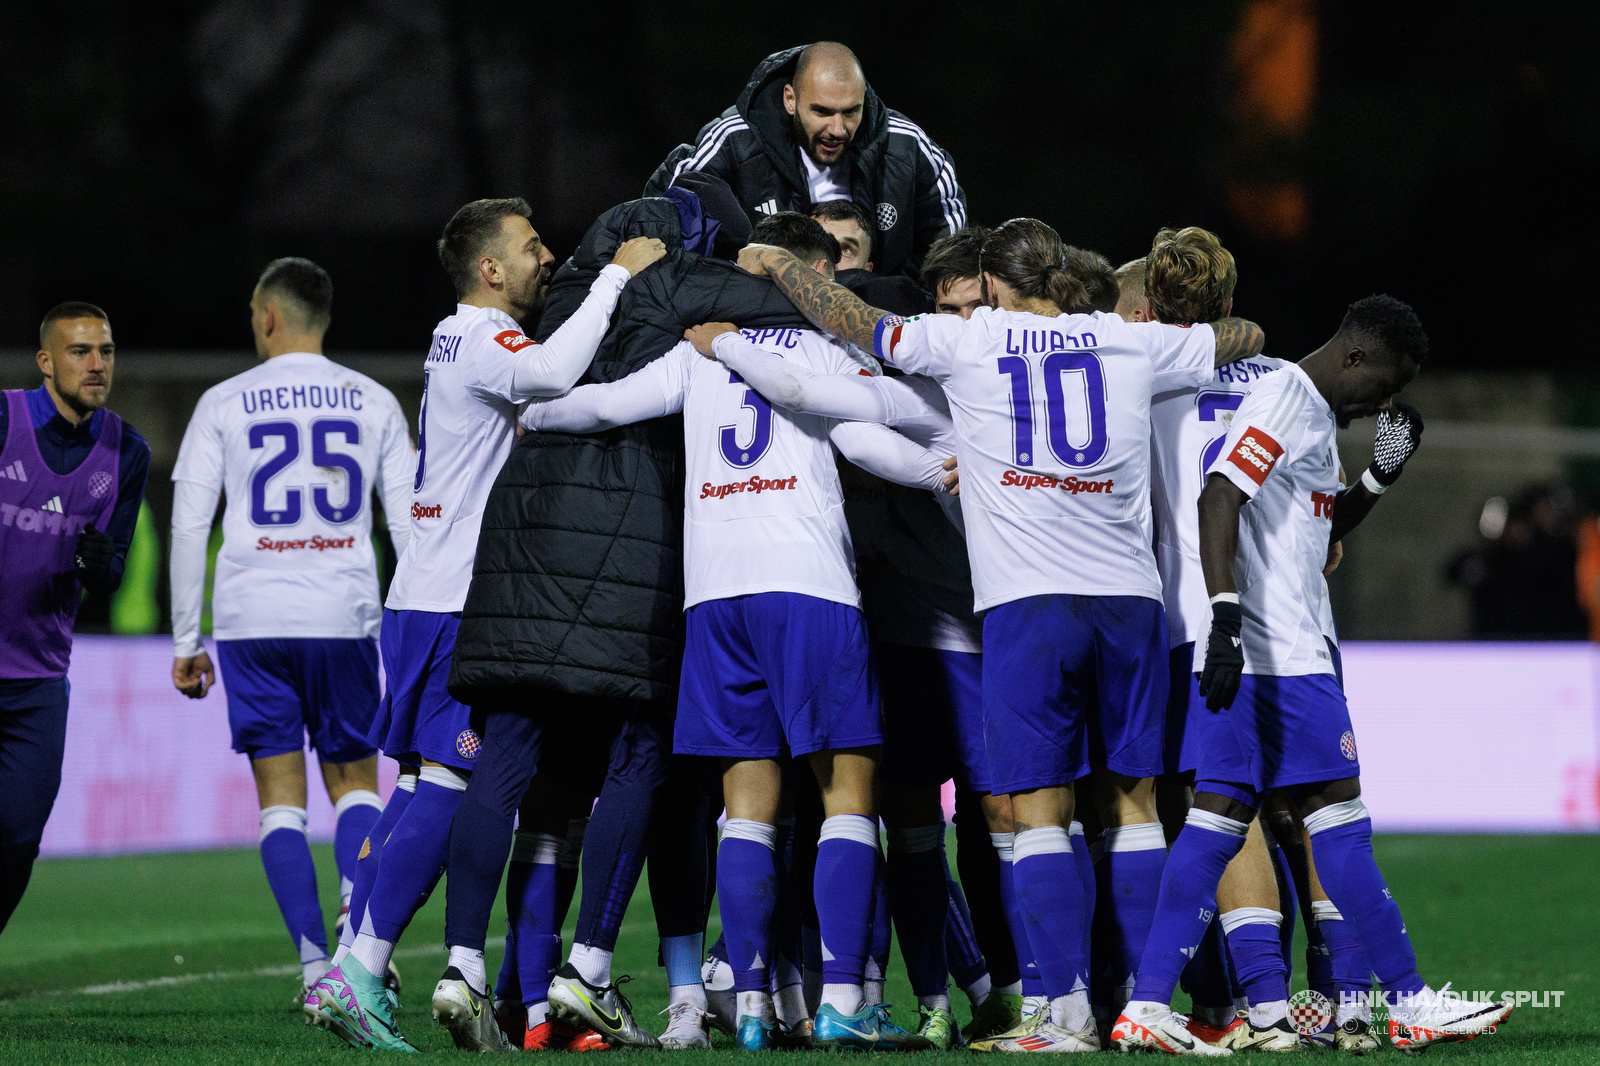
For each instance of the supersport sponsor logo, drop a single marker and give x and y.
(1255, 454)
(513, 340)
(1070, 484)
(419, 512)
(708, 491)
(316, 544)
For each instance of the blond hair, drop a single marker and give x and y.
(1189, 276)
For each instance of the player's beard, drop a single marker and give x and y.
(809, 145)
(83, 405)
(529, 301)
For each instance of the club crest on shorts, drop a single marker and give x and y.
(1310, 1011)
(887, 216)
(1347, 745)
(467, 744)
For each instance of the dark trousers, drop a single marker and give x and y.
(33, 737)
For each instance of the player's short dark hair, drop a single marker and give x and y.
(953, 257)
(307, 285)
(845, 211)
(69, 309)
(469, 232)
(1189, 276)
(1099, 281)
(1028, 255)
(800, 235)
(1390, 322)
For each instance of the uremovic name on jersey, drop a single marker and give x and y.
(754, 484)
(1045, 481)
(320, 544)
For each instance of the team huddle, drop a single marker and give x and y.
(790, 498)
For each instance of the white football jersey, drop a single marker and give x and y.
(1281, 453)
(1052, 418)
(298, 444)
(763, 511)
(464, 432)
(1187, 427)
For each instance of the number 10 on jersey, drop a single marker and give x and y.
(1074, 407)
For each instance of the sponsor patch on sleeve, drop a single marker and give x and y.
(513, 340)
(1255, 454)
(887, 335)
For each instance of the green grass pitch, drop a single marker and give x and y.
(90, 970)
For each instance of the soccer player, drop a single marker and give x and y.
(479, 367)
(950, 271)
(1269, 510)
(71, 477)
(851, 227)
(776, 660)
(299, 444)
(1058, 541)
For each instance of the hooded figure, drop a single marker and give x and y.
(888, 165)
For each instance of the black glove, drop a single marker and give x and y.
(93, 558)
(1219, 681)
(1399, 434)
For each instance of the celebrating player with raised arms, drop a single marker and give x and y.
(299, 444)
(1270, 507)
(776, 661)
(479, 367)
(1052, 424)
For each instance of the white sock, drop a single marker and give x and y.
(757, 1005)
(1071, 1011)
(937, 1001)
(1266, 1015)
(539, 1013)
(871, 992)
(846, 999)
(791, 1005)
(1144, 1008)
(695, 994)
(979, 990)
(1032, 1005)
(312, 972)
(1013, 989)
(716, 975)
(372, 953)
(592, 964)
(470, 962)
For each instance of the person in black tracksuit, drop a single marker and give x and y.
(808, 128)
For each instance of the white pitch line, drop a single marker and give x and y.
(215, 975)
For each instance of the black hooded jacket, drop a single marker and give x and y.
(906, 183)
(577, 587)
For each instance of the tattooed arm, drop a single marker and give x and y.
(1237, 338)
(832, 307)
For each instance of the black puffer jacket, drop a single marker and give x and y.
(578, 583)
(906, 183)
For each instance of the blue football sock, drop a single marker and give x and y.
(747, 890)
(961, 951)
(682, 955)
(508, 984)
(1188, 900)
(414, 854)
(1032, 982)
(293, 879)
(1253, 942)
(1341, 837)
(1208, 977)
(847, 857)
(1051, 899)
(919, 903)
(531, 910)
(786, 914)
(1350, 973)
(371, 851)
(1134, 857)
(354, 816)
(882, 930)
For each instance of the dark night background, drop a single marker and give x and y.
(156, 155)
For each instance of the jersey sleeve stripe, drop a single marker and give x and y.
(711, 144)
(955, 215)
(1288, 407)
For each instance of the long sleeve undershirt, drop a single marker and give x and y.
(194, 505)
(551, 368)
